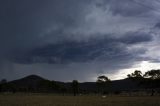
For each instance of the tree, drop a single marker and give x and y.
(102, 79)
(3, 83)
(75, 87)
(136, 77)
(135, 74)
(154, 76)
(103, 82)
(129, 76)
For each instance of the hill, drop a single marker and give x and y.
(32, 80)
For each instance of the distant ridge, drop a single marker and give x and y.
(31, 80)
(34, 80)
(33, 77)
(36, 83)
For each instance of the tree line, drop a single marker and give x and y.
(149, 80)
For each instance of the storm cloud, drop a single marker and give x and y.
(76, 39)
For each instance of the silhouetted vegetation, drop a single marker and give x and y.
(153, 74)
(154, 79)
(135, 82)
(75, 87)
(103, 84)
(135, 74)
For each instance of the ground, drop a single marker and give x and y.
(55, 100)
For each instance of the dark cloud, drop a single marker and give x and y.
(136, 37)
(129, 8)
(72, 36)
(24, 21)
(86, 51)
(157, 25)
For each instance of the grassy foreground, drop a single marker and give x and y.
(52, 100)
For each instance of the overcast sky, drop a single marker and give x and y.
(78, 39)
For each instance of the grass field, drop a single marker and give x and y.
(53, 100)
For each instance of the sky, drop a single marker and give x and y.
(65, 40)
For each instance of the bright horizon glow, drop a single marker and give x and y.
(144, 66)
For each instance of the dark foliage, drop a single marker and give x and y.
(103, 85)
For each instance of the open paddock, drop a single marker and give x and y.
(57, 100)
